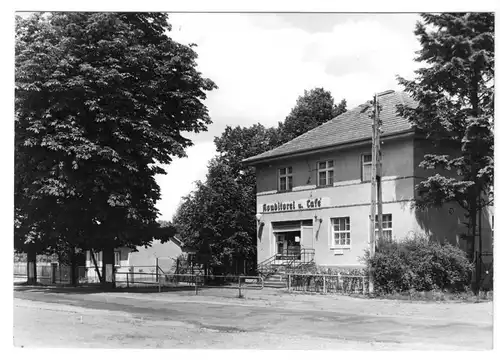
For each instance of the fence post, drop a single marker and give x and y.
(338, 281)
(156, 269)
(363, 281)
(289, 282)
(196, 284)
(239, 286)
(324, 284)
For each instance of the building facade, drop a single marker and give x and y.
(143, 259)
(314, 192)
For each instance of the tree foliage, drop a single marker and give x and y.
(218, 217)
(101, 100)
(312, 109)
(455, 92)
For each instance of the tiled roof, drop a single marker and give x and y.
(351, 126)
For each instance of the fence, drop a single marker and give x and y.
(53, 274)
(141, 277)
(318, 283)
(192, 282)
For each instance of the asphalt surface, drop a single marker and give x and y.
(46, 318)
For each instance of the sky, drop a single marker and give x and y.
(262, 63)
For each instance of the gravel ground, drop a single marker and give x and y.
(267, 319)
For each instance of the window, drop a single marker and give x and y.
(386, 226)
(341, 232)
(285, 179)
(366, 167)
(325, 173)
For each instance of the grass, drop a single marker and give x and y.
(425, 296)
(439, 296)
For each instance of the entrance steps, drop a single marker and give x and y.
(276, 280)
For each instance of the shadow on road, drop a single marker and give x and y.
(96, 289)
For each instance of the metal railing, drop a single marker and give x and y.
(287, 260)
(291, 253)
(319, 283)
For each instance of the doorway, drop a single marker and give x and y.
(287, 245)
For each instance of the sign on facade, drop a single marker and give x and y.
(295, 205)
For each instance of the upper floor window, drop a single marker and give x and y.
(285, 181)
(366, 167)
(325, 173)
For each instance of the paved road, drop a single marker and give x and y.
(168, 320)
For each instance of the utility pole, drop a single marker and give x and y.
(379, 169)
(376, 188)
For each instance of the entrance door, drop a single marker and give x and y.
(307, 237)
(281, 244)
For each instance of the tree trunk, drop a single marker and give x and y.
(31, 271)
(476, 112)
(473, 215)
(108, 266)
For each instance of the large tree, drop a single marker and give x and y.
(101, 100)
(455, 91)
(312, 109)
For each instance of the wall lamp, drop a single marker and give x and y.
(260, 225)
(258, 216)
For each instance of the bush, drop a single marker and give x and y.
(419, 265)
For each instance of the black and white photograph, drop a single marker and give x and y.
(259, 180)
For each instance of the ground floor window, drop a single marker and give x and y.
(386, 226)
(341, 229)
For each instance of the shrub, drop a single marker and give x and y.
(420, 265)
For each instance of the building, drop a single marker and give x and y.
(144, 259)
(314, 193)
